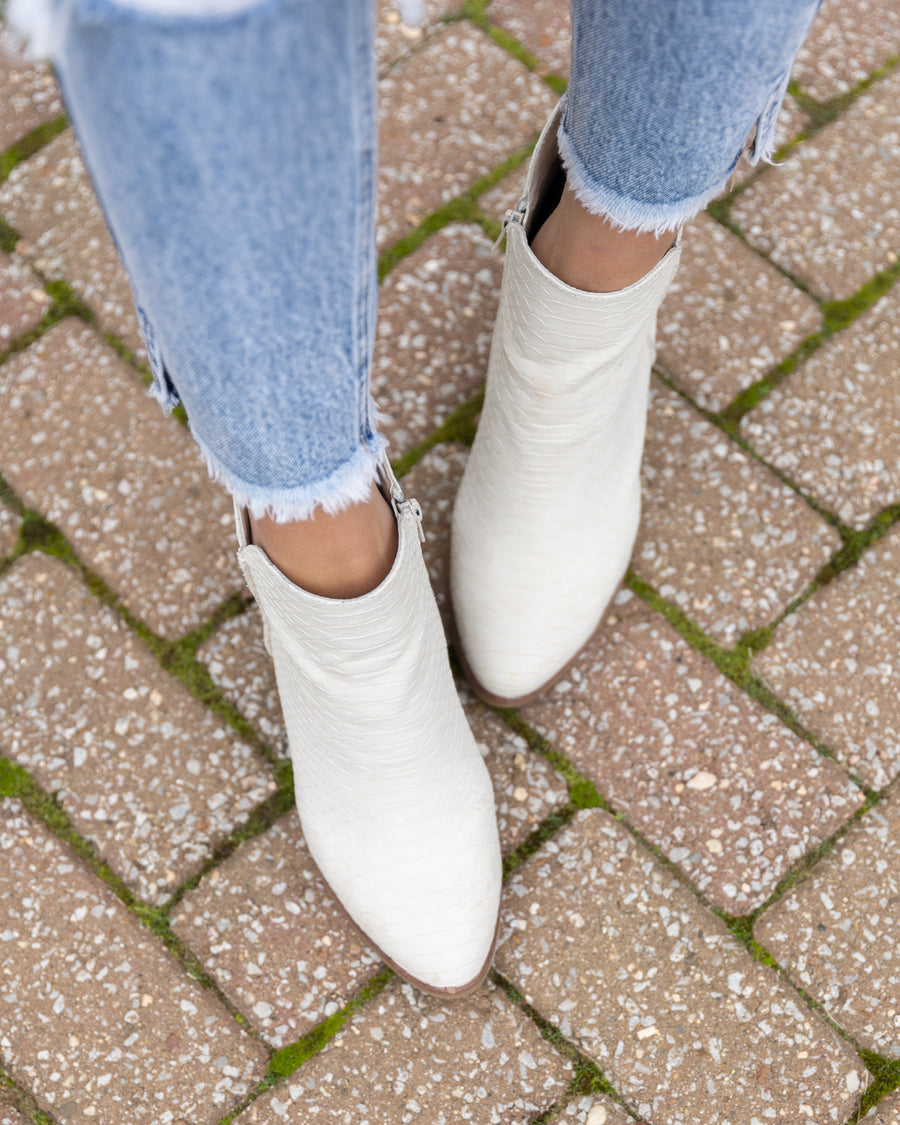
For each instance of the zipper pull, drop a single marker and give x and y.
(514, 215)
(398, 500)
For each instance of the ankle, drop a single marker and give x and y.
(588, 253)
(335, 556)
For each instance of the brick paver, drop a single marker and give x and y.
(272, 937)
(409, 1056)
(98, 1020)
(30, 96)
(887, 1112)
(435, 316)
(847, 43)
(833, 662)
(141, 768)
(621, 957)
(446, 117)
(838, 933)
(720, 536)
(94, 454)
(615, 942)
(728, 318)
(723, 788)
(23, 300)
(831, 218)
(51, 203)
(9, 529)
(831, 428)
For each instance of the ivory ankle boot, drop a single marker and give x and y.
(549, 504)
(394, 798)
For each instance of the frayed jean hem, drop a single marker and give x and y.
(350, 483)
(641, 216)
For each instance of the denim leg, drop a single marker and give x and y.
(664, 95)
(234, 157)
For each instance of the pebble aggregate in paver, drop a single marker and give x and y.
(729, 316)
(28, 94)
(448, 115)
(98, 1021)
(22, 300)
(394, 38)
(720, 535)
(598, 1110)
(92, 452)
(526, 787)
(504, 195)
(9, 529)
(831, 214)
(51, 203)
(407, 1057)
(145, 772)
(684, 1023)
(834, 663)
(718, 783)
(838, 933)
(887, 1112)
(268, 931)
(435, 318)
(834, 426)
(848, 41)
(242, 670)
(541, 26)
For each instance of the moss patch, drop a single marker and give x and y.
(30, 144)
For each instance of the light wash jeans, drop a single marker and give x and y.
(234, 155)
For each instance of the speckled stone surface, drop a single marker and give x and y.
(394, 38)
(28, 94)
(526, 787)
(887, 1112)
(92, 452)
(834, 662)
(728, 318)
(831, 214)
(97, 1020)
(849, 40)
(144, 771)
(718, 783)
(597, 1110)
(268, 931)
(407, 1056)
(541, 26)
(9, 529)
(435, 318)
(447, 116)
(505, 194)
(720, 535)
(688, 1027)
(838, 933)
(22, 299)
(434, 482)
(832, 427)
(51, 203)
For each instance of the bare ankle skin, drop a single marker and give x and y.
(587, 252)
(341, 556)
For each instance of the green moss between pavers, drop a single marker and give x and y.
(583, 792)
(588, 1077)
(886, 1075)
(30, 144)
(476, 11)
(24, 1101)
(458, 427)
(285, 1061)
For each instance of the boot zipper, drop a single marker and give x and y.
(514, 215)
(398, 501)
